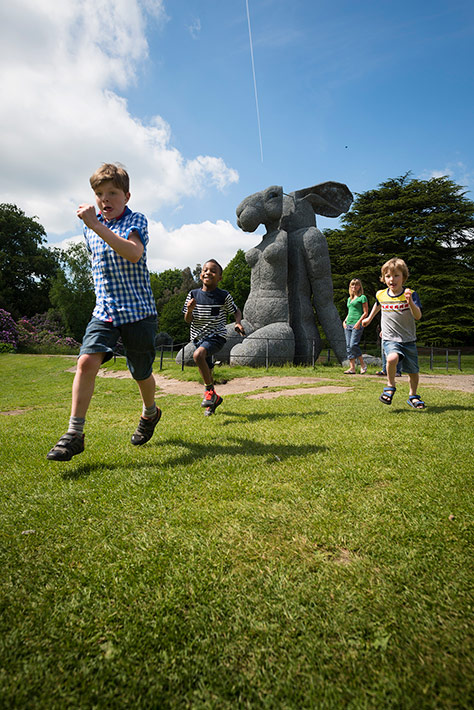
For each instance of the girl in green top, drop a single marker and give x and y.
(357, 309)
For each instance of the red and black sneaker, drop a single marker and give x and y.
(211, 410)
(210, 398)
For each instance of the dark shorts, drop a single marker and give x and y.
(407, 353)
(212, 343)
(138, 341)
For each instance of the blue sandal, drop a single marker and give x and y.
(415, 401)
(387, 395)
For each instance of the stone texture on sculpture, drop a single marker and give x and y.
(267, 304)
(273, 344)
(309, 264)
(287, 291)
(233, 338)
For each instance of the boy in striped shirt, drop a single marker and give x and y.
(206, 310)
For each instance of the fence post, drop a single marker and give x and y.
(182, 359)
(447, 359)
(161, 357)
(459, 360)
(313, 355)
(266, 353)
(431, 358)
(329, 355)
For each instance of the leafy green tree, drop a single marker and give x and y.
(236, 279)
(171, 319)
(167, 281)
(26, 266)
(429, 224)
(72, 289)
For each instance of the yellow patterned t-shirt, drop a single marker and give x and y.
(397, 320)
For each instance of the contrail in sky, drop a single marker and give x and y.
(254, 81)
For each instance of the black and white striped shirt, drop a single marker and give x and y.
(210, 312)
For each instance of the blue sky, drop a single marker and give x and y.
(352, 92)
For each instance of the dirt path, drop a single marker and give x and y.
(165, 385)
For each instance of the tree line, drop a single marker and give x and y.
(428, 223)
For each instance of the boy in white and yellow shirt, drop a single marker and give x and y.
(400, 309)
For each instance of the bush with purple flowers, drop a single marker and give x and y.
(8, 332)
(43, 333)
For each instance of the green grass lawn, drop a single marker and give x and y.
(312, 551)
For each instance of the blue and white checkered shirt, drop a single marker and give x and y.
(122, 289)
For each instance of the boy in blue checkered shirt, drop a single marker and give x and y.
(116, 239)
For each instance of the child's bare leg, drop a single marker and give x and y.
(199, 358)
(414, 380)
(392, 361)
(84, 382)
(147, 391)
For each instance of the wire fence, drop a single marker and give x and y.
(432, 358)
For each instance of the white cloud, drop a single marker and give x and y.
(457, 171)
(195, 28)
(189, 245)
(193, 244)
(63, 65)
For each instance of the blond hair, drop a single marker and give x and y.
(393, 265)
(114, 172)
(356, 282)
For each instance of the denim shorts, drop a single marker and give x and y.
(212, 343)
(407, 352)
(138, 341)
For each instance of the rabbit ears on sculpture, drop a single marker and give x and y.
(329, 199)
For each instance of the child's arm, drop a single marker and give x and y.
(130, 249)
(238, 325)
(188, 316)
(416, 312)
(373, 313)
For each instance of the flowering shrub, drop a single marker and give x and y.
(44, 333)
(8, 331)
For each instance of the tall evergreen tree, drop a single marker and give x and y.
(429, 224)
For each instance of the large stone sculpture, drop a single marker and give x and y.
(290, 265)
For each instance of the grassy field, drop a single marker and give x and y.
(312, 551)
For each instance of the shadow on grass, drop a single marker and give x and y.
(242, 447)
(432, 409)
(193, 452)
(242, 417)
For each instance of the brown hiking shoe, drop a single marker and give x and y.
(68, 446)
(145, 429)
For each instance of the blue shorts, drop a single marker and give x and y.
(212, 343)
(407, 352)
(138, 341)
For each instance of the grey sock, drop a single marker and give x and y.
(149, 412)
(76, 425)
